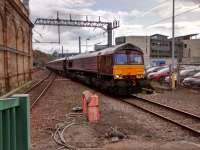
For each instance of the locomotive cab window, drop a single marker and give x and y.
(121, 59)
(135, 59)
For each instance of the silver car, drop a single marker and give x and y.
(184, 74)
(192, 81)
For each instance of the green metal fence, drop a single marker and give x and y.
(15, 123)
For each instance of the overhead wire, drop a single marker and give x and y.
(165, 19)
(34, 30)
(160, 4)
(101, 34)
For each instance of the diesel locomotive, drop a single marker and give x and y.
(118, 70)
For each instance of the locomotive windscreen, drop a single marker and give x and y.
(121, 59)
(135, 59)
(124, 59)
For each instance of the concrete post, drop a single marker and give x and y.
(173, 44)
(109, 30)
(79, 39)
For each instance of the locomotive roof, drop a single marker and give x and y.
(106, 51)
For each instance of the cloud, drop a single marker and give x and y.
(69, 34)
(181, 27)
(164, 8)
(132, 22)
(48, 8)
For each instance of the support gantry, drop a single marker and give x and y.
(106, 26)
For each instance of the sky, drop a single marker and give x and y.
(137, 17)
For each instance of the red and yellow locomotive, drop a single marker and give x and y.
(117, 69)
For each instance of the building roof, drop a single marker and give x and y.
(159, 35)
(183, 36)
(186, 37)
(130, 36)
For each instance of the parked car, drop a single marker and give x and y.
(187, 67)
(183, 74)
(192, 81)
(151, 69)
(154, 69)
(159, 75)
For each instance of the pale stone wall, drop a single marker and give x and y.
(191, 48)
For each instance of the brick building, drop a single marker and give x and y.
(15, 44)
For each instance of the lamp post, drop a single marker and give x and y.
(173, 33)
(173, 45)
(79, 43)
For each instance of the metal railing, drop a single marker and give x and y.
(15, 123)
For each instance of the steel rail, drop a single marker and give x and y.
(194, 131)
(37, 84)
(43, 92)
(167, 107)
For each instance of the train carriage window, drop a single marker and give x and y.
(135, 59)
(121, 59)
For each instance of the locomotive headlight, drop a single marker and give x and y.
(118, 77)
(139, 76)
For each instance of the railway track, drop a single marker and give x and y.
(183, 119)
(36, 84)
(40, 88)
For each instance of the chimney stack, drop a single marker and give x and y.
(26, 4)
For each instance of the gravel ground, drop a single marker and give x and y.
(141, 125)
(183, 99)
(39, 74)
(50, 110)
(139, 129)
(34, 93)
(180, 118)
